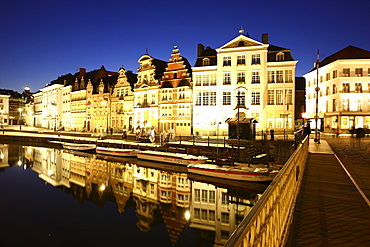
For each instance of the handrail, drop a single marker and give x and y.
(268, 222)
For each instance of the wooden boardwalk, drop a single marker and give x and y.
(330, 211)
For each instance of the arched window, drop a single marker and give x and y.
(280, 56)
(206, 61)
(241, 43)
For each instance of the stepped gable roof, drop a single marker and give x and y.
(350, 52)
(273, 50)
(188, 66)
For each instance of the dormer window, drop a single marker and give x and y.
(205, 61)
(280, 56)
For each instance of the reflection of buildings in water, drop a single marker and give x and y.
(145, 193)
(4, 162)
(216, 211)
(174, 191)
(121, 183)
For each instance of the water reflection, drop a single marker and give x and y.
(160, 192)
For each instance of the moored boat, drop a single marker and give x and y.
(257, 174)
(173, 158)
(116, 151)
(79, 146)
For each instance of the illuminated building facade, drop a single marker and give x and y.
(244, 78)
(344, 91)
(146, 92)
(175, 98)
(4, 109)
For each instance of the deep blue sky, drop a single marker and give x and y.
(43, 39)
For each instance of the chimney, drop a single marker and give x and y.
(265, 38)
(82, 72)
(200, 49)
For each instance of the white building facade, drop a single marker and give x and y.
(344, 91)
(244, 78)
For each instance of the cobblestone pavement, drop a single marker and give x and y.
(354, 153)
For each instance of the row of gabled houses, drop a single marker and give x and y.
(243, 81)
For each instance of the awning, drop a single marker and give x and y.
(241, 120)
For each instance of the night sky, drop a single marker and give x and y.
(42, 39)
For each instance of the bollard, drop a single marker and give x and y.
(272, 135)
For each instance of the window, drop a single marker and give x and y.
(204, 195)
(279, 76)
(205, 80)
(345, 104)
(279, 97)
(327, 76)
(368, 72)
(334, 88)
(327, 90)
(288, 76)
(241, 78)
(271, 77)
(225, 218)
(255, 98)
(358, 87)
(197, 213)
(358, 72)
(346, 88)
(205, 98)
(334, 105)
(256, 59)
(280, 56)
(212, 197)
(203, 214)
(271, 97)
(240, 60)
(211, 215)
(241, 98)
(205, 62)
(212, 98)
(198, 100)
(255, 77)
(227, 61)
(334, 74)
(346, 72)
(224, 199)
(213, 80)
(227, 79)
(198, 80)
(226, 98)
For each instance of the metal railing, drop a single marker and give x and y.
(269, 221)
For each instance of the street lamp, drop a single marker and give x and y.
(20, 118)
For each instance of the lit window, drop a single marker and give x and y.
(279, 76)
(358, 87)
(256, 59)
(271, 77)
(280, 56)
(346, 72)
(241, 78)
(205, 80)
(226, 98)
(227, 61)
(227, 79)
(334, 89)
(213, 80)
(240, 60)
(206, 62)
(255, 98)
(346, 88)
(279, 97)
(271, 97)
(288, 76)
(255, 77)
(358, 72)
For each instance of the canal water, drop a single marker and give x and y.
(55, 197)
